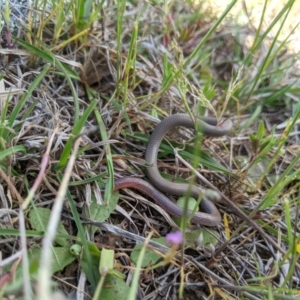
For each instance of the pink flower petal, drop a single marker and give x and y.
(174, 237)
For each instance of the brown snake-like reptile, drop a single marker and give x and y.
(208, 126)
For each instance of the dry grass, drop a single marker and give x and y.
(65, 136)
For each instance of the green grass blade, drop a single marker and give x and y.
(23, 100)
(269, 55)
(47, 56)
(75, 132)
(10, 151)
(209, 33)
(109, 161)
(120, 12)
(80, 228)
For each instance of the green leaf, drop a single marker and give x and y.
(201, 237)
(261, 131)
(61, 258)
(254, 115)
(94, 274)
(109, 161)
(106, 261)
(47, 57)
(14, 114)
(190, 206)
(114, 289)
(10, 151)
(102, 212)
(75, 132)
(39, 219)
(91, 179)
(90, 264)
(150, 257)
(16, 232)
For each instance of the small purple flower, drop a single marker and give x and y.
(174, 238)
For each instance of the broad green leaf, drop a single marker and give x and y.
(150, 256)
(114, 289)
(60, 259)
(198, 237)
(201, 237)
(102, 212)
(39, 219)
(190, 206)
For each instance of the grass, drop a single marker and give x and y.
(79, 98)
